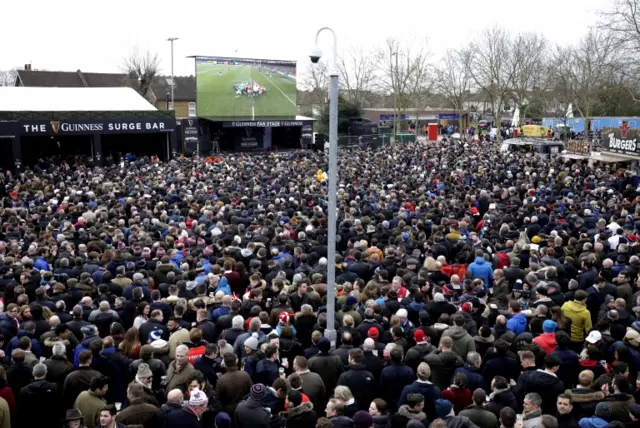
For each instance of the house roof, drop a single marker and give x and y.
(16, 98)
(184, 88)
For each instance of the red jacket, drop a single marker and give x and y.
(547, 342)
(459, 397)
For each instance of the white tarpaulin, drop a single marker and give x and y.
(20, 98)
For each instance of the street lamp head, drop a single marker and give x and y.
(315, 54)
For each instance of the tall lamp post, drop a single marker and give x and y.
(171, 40)
(330, 331)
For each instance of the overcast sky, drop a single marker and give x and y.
(95, 35)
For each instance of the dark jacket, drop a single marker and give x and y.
(500, 400)
(252, 414)
(8, 326)
(619, 404)
(404, 415)
(474, 377)
(266, 372)
(443, 364)
(231, 387)
(140, 413)
(46, 396)
(76, 382)
(584, 401)
(500, 365)
(393, 379)
(417, 354)
(429, 391)
(329, 367)
(547, 386)
(151, 325)
(19, 376)
(302, 416)
(183, 418)
(480, 416)
(58, 368)
(341, 422)
(361, 383)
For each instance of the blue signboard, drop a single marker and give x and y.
(449, 116)
(392, 117)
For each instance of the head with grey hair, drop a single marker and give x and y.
(104, 306)
(77, 311)
(532, 401)
(54, 321)
(137, 277)
(474, 359)
(254, 324)
(59, 350)
(237, 322)
(39, 371)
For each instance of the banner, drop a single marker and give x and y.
(248, 139)
(267, 123)
(190, 128)
(578, 147)
(105, 126)
(622, 140)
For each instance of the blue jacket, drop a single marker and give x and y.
(474, 377)
(223, 285)
(217, 313)
(517, 323)
(483, 270)
(593, 422)
(393, 379)
(429, 391)
(13, 343)
(83, 346)
(41, 264)
(266, 372)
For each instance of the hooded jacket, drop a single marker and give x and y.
(483, 270)
(593, 422)
(547, 342)
(517, 323)
(405, 415)
(580, 319)
(462, 341)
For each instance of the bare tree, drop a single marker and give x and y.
(623, 22)
(529, 69)
(141, 69)
(583, 69)
(453, 80)
(316, 80)
(403, 68)
(8, 77)
(357, 70)
(491, 68)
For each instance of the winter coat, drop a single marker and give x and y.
(459, 397)
(593, 422)
(182, 418)
(329, 367)
(313, 387)
(580, 319)
(429, 391)
(480, 416)
(267, 371)
(474, 377)
(8, 326)
(462, 342)
(139, 413)
(547, 342)
(361, 383)
(459, 422)
(302, 416)
(251, 414)
(177, 379)
(417, 354)
(404, 415)
(547, 386)
(58, 368)
(500, 400)
(35, 343)
(18, 376)
(569, 366)
(619, 404)
(76, 382)
(483, 270)
(584, 401)
(393, 379)
(517, 323)
(90, 405)
(341, 422)
(232, 387)
(381, 421)
(443, 364)
(46, 396)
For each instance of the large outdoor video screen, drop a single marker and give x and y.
(245, 88)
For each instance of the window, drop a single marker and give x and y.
(192, 109)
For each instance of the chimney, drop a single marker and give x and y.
(27, 67)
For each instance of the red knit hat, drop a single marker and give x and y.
(466, 307)
(418, 335)
(373, 333)
(283, 317)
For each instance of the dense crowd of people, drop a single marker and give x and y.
(474, 289)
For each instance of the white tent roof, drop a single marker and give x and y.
(17, 98)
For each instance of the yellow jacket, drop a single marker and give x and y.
(580, 319)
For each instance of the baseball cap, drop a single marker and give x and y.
(594, 336)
